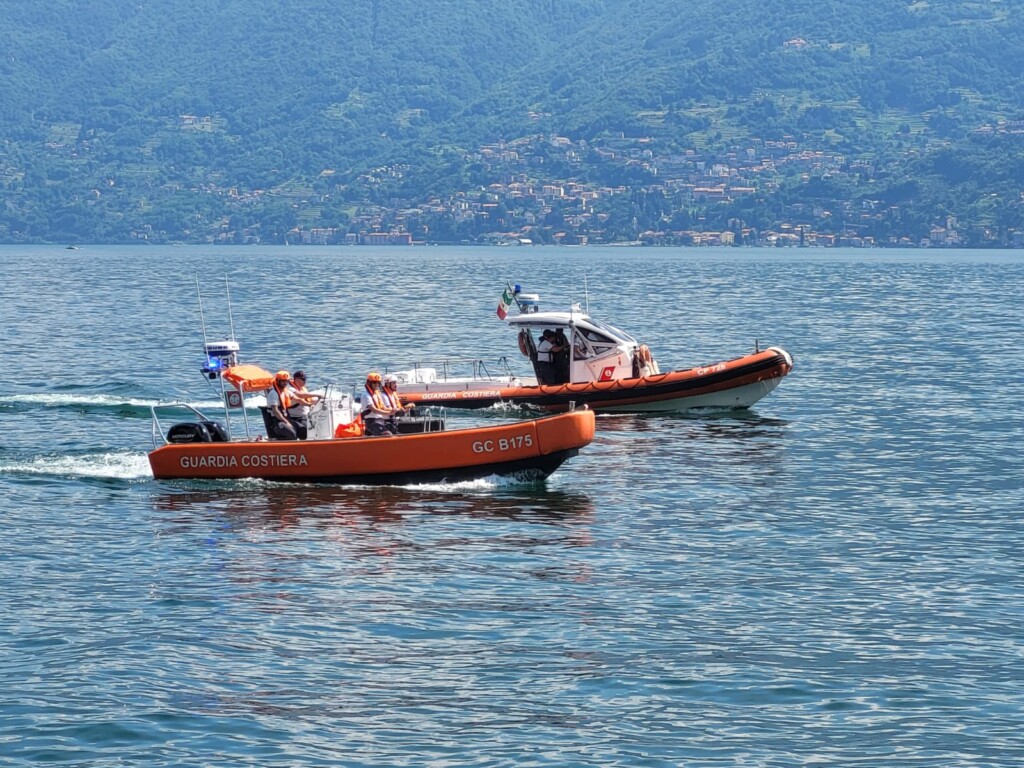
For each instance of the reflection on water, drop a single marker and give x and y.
(724, 588)
(744, 438)
(259, 538)
(644, 422)
(284, 506)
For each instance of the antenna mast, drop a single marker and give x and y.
(202, 317)
(231, 319)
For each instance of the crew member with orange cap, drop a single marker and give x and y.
(279, 400)
(376, 408)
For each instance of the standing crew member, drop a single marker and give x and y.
(302, 398)
(376, 408)
(561, 357)
(546, 351)
(279, 400)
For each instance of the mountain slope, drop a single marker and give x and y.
(641, 55)
(122, 116)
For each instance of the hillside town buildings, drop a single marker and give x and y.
(552, 189)
(689, 191)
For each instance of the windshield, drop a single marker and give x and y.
(611, 329)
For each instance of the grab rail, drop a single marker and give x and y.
(449, 368)
(157, 428)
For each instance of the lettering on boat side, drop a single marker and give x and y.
(245, 460)
(503, 444)
(460, 394)
(711, 369)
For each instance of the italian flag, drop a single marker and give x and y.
(505, 303)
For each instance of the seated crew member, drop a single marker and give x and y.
(279, 400)
(302, 398)
(376, 408)
(397, 408)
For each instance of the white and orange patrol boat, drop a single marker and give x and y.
(202, 448)
(603, 367)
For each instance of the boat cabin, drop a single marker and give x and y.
(595, 350)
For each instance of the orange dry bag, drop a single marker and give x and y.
(353, 429)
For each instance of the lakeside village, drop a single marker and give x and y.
(691, 191)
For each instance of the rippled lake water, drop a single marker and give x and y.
(831, 578)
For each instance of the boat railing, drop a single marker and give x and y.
(434, 418)
(459, 368)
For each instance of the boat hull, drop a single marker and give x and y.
(737, 383)
(527, 450)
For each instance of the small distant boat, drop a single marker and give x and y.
(71, 248)
(604, 368)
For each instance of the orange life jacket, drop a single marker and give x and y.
(286, 400)
(379, 400)
(396, 401)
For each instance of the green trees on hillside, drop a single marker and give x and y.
(191, 118)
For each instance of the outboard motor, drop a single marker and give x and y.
(217, 432)
(197, 432)
(189, 432)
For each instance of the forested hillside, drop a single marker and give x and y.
(539, 120)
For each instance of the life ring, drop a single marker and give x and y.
(524, 345)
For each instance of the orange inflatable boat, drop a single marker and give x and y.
(336, 451)
(579, 359)
(737, 383)
(527, 450)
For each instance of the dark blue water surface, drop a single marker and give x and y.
(835, 577)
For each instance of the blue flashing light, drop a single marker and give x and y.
(518, 288)
(213, 363)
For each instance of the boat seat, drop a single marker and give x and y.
(410, 425)
(270, 424)
(268, 420)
